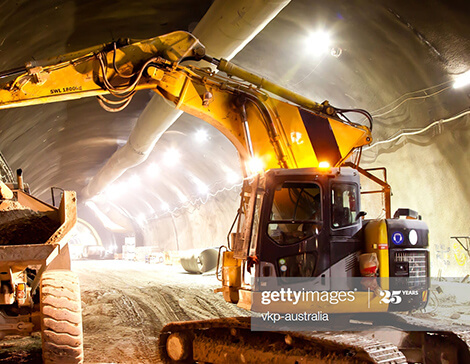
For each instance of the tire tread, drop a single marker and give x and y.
(61, 319)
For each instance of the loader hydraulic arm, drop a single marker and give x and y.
(291, 133)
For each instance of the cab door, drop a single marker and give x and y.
(292, 227)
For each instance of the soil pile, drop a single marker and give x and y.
(19, 225)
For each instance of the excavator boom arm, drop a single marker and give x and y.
(86, 73)
(291, 133)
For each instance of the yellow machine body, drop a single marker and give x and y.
(376, 239)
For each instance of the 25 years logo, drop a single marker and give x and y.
(392, 297)
(395, 297)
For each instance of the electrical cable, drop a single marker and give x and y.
(409, 93)
(113, 102)
(405, 133)
(379, 110)
(412, 98)
(114, 64)
(104, 104)
(198, 201)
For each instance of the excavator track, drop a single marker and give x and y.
(451, 342)
(231, 340)
(409, 340)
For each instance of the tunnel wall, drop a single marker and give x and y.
(429, 176)
(202, 225)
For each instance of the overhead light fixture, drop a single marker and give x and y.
(324, 165)
(233, 177)
(319, 43)
(201, 136)
(141, 218)
(462, 80)
(114, 191)
(201, 186)
(153, 170)
(182, 197)
(203, 189)
(134, 180)
(171, 157)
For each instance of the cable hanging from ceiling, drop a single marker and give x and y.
(413, 95)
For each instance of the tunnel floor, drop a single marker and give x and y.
(126, 304)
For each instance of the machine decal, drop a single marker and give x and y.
(397, 238)
(66, 89)
(321, 137)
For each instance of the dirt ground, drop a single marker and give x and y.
(125, 305)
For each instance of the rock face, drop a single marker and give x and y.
(19, 225)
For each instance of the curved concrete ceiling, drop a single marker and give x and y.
(398, 59)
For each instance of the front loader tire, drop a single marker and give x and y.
(61, 318)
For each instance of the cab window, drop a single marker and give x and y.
(295, 212)
(344, 206)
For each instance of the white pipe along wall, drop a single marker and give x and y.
(224, 30)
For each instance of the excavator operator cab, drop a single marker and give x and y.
(307, 212)
(303, 222)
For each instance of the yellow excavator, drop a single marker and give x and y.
(300, 214)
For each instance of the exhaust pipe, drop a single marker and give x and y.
(19, 178)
